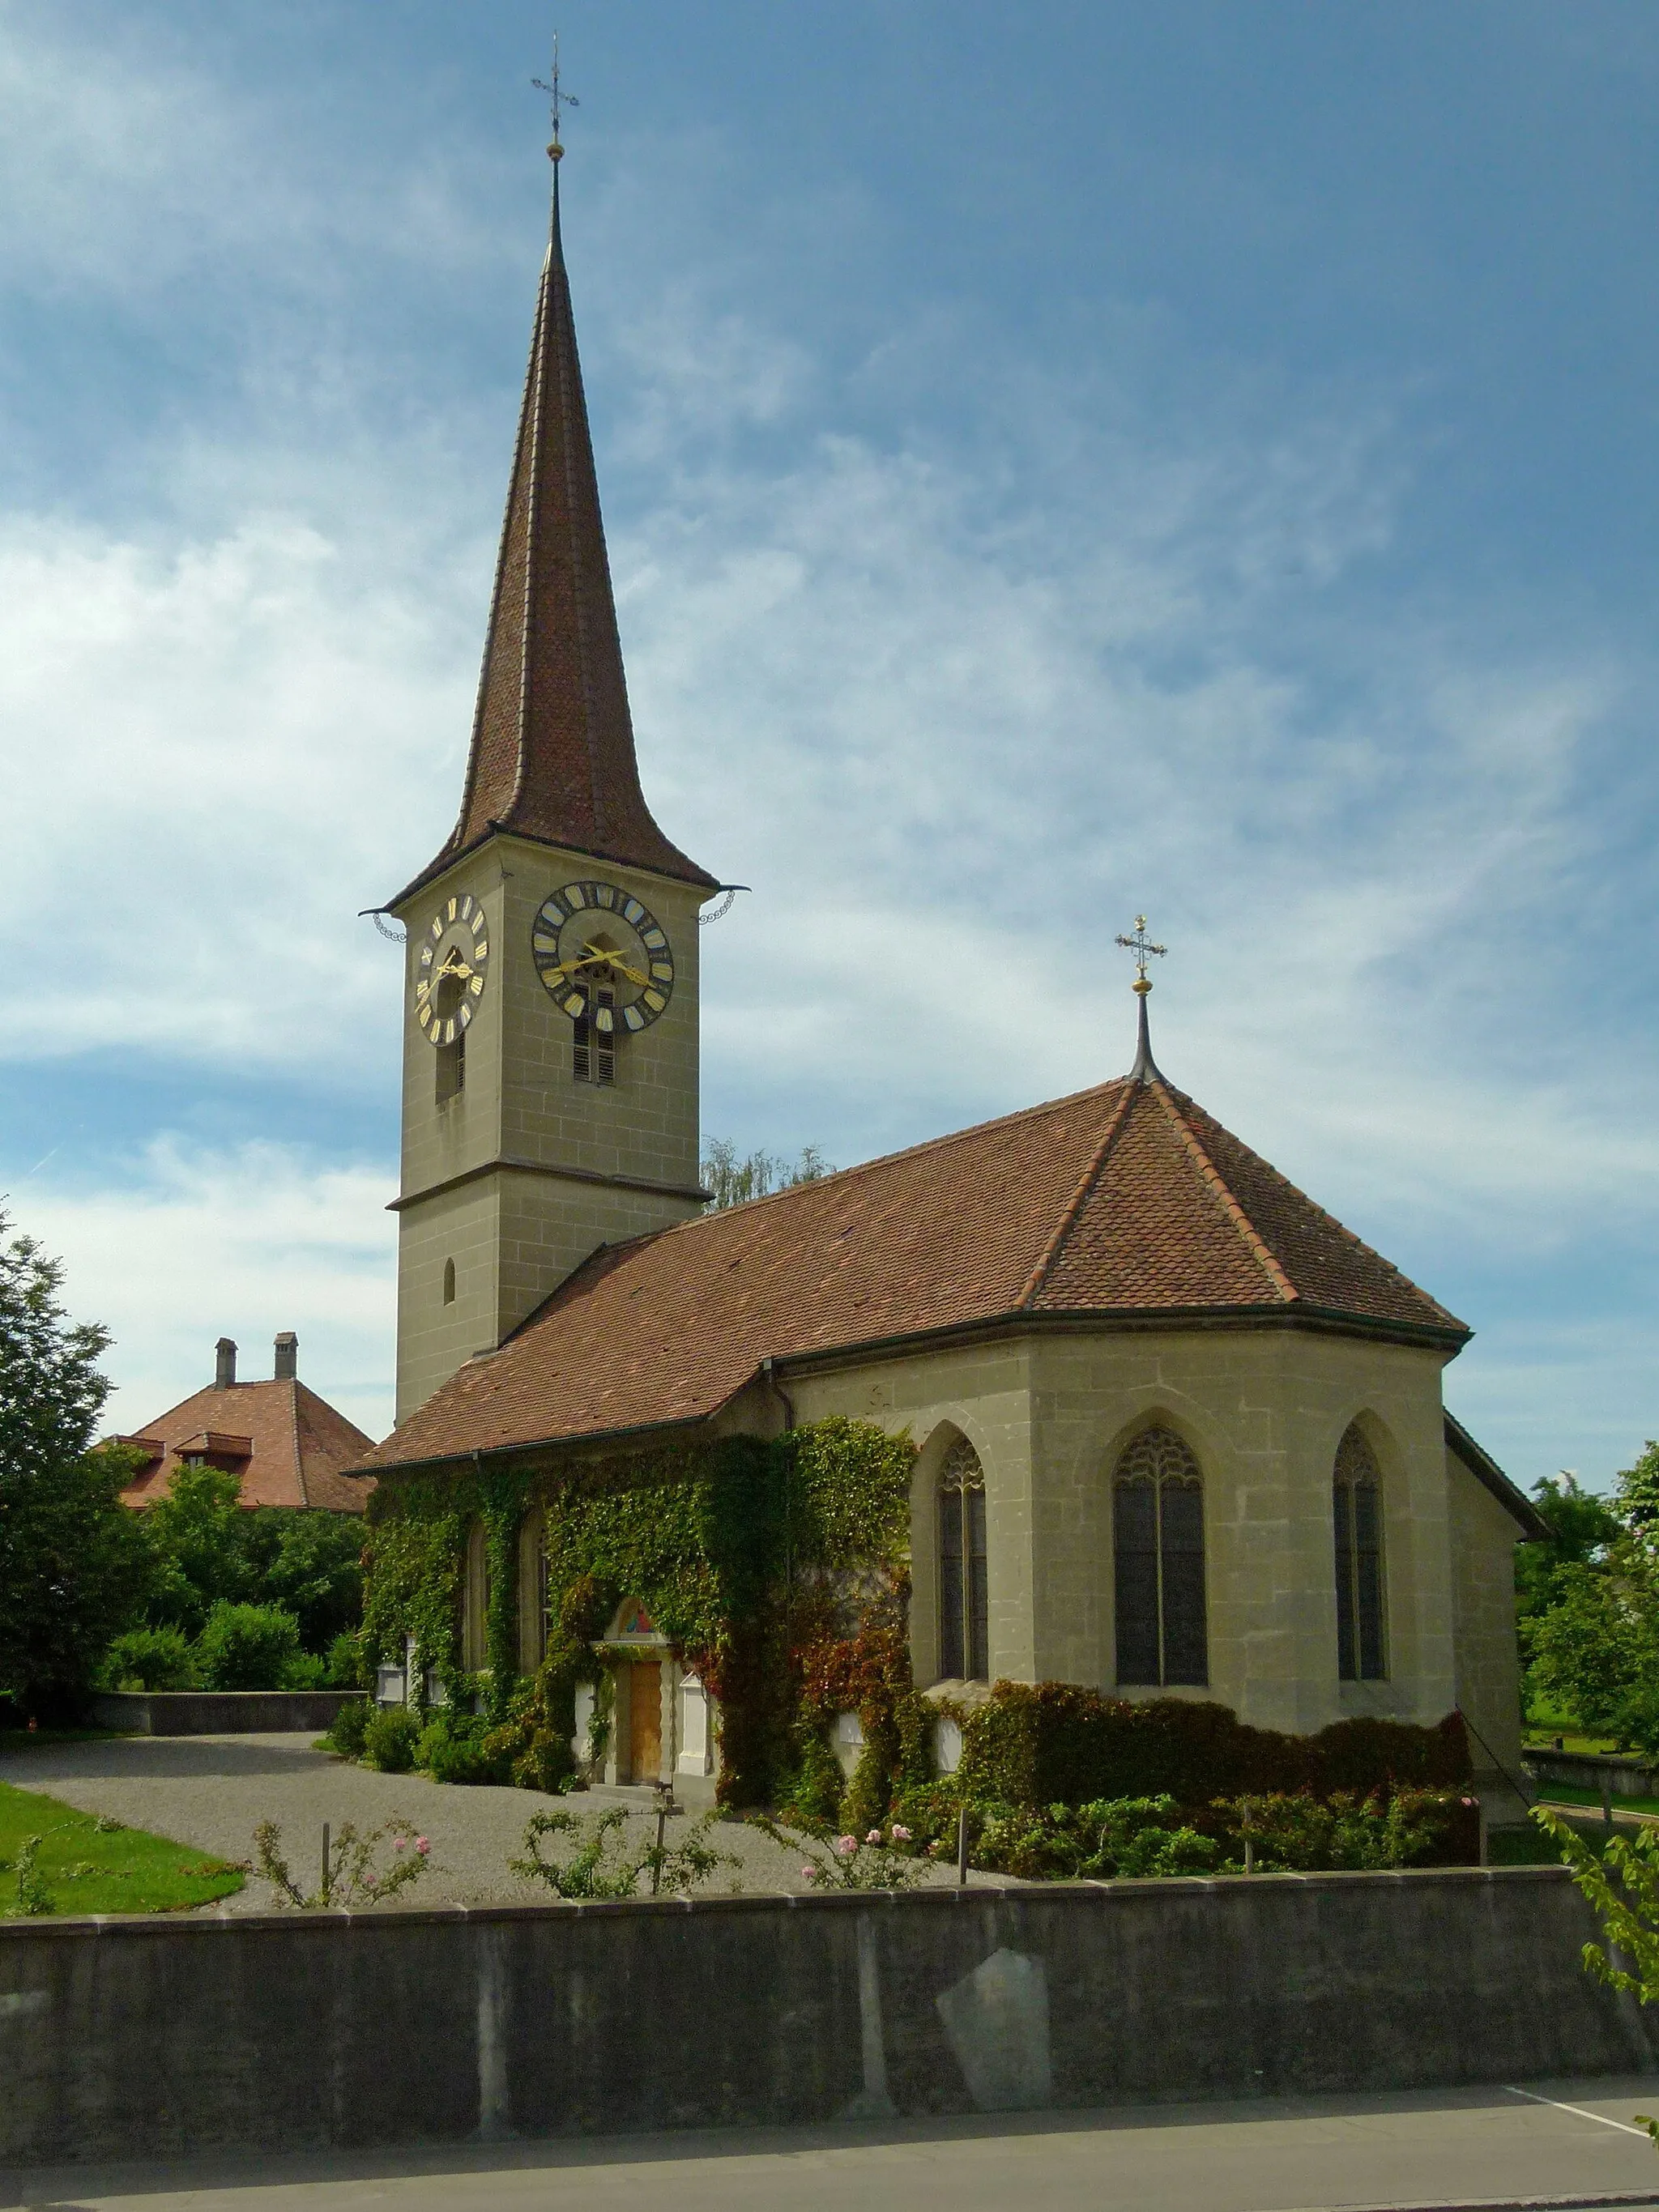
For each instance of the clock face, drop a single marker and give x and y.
(450, 970)
(603, 957)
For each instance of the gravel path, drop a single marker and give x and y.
(211, 1790)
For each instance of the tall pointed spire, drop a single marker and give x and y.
(552, 755)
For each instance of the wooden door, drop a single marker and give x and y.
(645, 1721)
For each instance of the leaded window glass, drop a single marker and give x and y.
(1356, 1514)
(1158, 1548)
(963, 1583)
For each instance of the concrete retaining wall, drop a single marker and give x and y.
(218, 1712)
(136, 2037)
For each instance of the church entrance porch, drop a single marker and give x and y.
(663, 1726)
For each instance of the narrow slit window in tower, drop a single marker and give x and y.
(449, 1282)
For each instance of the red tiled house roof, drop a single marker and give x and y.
(289, 1446)
(1124, 1203)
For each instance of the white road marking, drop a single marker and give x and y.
(1624, 2126)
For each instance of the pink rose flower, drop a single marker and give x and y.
(900, 1835)
(397, 1842)
(874, 1836)
(845, 1846)
(809, 1873)
(421, 1845)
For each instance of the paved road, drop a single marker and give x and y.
(1461, 2147)
(212, 1791)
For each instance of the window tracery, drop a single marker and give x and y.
(963, 1579)
(1157, 1547)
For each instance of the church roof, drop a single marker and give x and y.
(289, 1446)
(552, 755)
(1126, 1203)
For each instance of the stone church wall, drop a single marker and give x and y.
(1264, 1412)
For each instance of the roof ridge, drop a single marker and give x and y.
(1248, 1233)
(1078, 1199)
(1324, 1213)
(904, 1153)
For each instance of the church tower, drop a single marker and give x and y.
(550, 1092)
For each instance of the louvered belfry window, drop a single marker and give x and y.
(593, 1049)
(1157, 1546)
(1356, 1512)
(963, 1583)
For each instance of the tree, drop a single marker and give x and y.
(312, 1564)
(1583, 1528)
(75, 1566)
(734, 1181)
(196, 1536)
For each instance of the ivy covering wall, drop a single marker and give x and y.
(778, 1572)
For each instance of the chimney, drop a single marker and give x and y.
(224, 1364)
(287, 1356)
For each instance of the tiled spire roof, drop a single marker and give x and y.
(1124, 1204)
(552, 753)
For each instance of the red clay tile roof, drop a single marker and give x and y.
(1126, 1200)
(287, 1444)
(552, 752)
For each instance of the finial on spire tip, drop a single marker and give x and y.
(558, 100)
(1146, 1067)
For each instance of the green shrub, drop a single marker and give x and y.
(1054, 1743)
(150, 1659)
(1118, 1839)
(348, 1669)
(247, 1647)
(459, 1749)
(303, 1670)
(346, 1734)
(1304, 1834)
(391, 1739)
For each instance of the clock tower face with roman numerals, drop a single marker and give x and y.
(604, 957)
(450, 970)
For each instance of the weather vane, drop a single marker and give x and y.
(557, 101)
(1140, 945)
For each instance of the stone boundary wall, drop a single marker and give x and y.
(138, 2038)
(1625, 1777)
(218, 1712)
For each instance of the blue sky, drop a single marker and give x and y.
(1196, 458)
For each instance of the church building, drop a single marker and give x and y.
(1177, 1432)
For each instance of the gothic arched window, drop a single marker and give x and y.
(449, 1282)
(1157, 1547)
(1356, 1512)
(964, 1584)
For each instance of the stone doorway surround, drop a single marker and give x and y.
(685, 1738)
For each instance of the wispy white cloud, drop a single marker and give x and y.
(958, 687)
(182, 1246)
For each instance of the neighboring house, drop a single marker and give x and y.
(1180, 1432)
(289, 1446)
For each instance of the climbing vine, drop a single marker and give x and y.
(778, 1572)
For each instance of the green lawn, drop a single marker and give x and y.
(1570, 1793)
(86, 1865)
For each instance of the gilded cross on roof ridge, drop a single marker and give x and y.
(1140, 945)
(557, 100)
